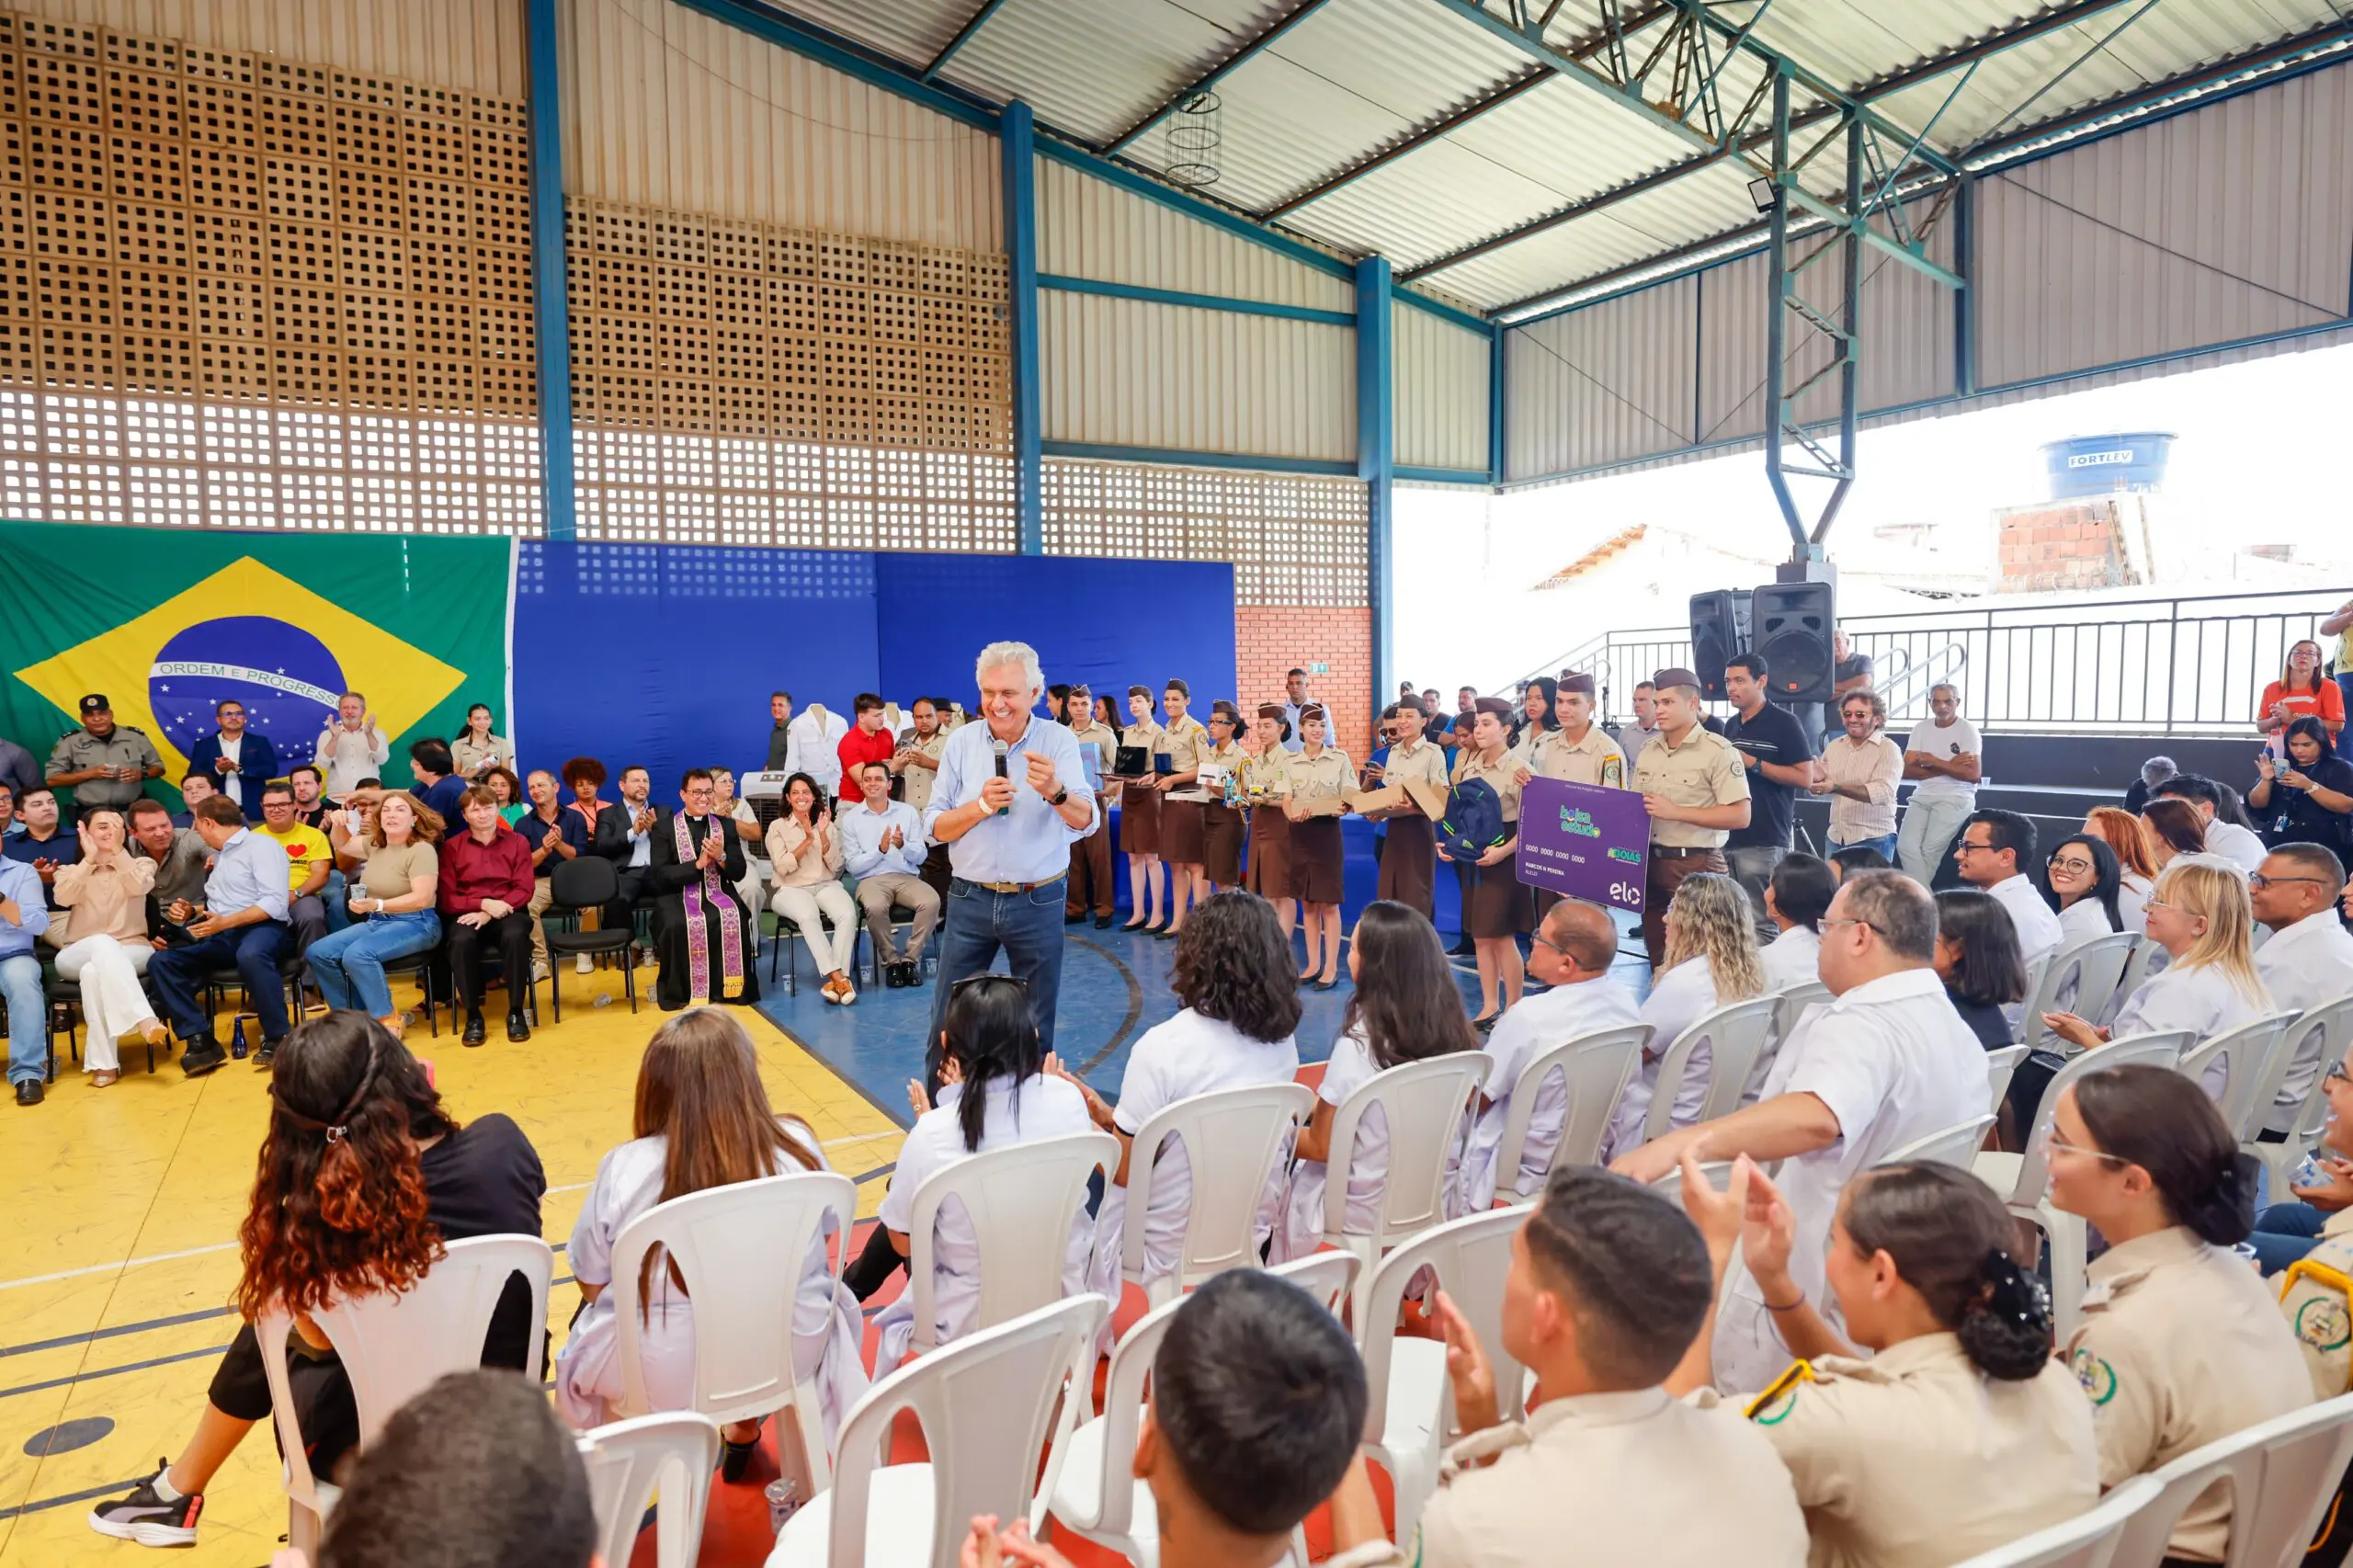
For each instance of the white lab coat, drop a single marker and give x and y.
(1541, 1020)
(1679, 998)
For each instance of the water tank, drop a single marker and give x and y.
(2094, 465)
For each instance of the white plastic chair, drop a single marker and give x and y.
(984, 1403)
(1230, 1140)
(1735, 1036)
(1427, 1104)
(1409, 1407)
(2093, 967)
(2024, 1179)
(395, 1346)
(1670, 1185)
(2088, 1541)
(2328, 1032)
(1329, 1277)
(1956, 1145)
(1022, 1202)
(2147, 960)
(740, 1249)
(1095, 1492)
(1790, 1005)
(1594, 1070)
(674, 1453)
(2281, 1474)
(2001, 1066)
(2254, 1061)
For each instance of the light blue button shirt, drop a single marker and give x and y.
(251, 870)
(862, 828)
(22, 883)
(1030, 843)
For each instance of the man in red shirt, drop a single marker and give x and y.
(487, 885)
(867, 742)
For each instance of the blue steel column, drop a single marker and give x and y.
(1776, 312)
(551, 316)
(1495, 335)
(1964, 300)
(1376, 461)
(1019, 141)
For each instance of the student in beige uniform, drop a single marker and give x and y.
(2180, 1342)
(1608, 1285)
(1497, 909)
(1409, 857)
(1697, 790)
(1140, 815)
(1959, 1433)
(918, 765)
(1317, 772)
(1578, 752)
(1222, 824)
(1090, 858)
(1183, 740)
(1266, 785)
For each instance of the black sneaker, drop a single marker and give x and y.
(203, 1057)
(146, 1519)
(265, 1055)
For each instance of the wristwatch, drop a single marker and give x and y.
(1059, 796)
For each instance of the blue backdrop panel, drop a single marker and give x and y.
(666, 655)
(1112, 624)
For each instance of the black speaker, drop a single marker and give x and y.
(1719, 630)
(1793, 622)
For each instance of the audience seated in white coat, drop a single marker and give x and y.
(1711, 963)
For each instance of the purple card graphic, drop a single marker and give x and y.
(1585, 842)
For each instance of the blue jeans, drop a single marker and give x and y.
(338, 898)
(27, 1015)
(1885, 843)
(1027, 926)
(2284, 1232)
(178, 974)
(349, 965)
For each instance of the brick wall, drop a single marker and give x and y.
(2069, 544)
(1271, 640)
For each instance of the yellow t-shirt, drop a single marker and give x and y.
(306, 847)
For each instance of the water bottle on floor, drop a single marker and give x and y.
(784, 1501)
(603, 999)
(237, 1039)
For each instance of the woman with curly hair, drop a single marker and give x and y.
(363, 1176)
(1241, 1000)
(1406, 1007)
(1924, 1420)
(1712, 962)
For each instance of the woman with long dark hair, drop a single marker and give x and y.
(805, 852)
(1240, 1015)
(1540, 707)
(2303, 691)
(2175, 830)
(1959, 1433)
(2084, 882)
(476, 751)
(996, 1091)
(2180, 1344)
(1406, 1007)
(363, 1175)
(2305, 796)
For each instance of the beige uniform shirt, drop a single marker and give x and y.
(1595, 759)
(1266, 776)
(1229, 757)
(124, 746)
(1184, 741)
(920, 779)
(1146, 734)
(2316, 1296)
(1329, 773)
(1499, 776)
(1916, 1459)
(1705, 770)
(1105, 743)
(1633, 1480)
(1421, 761)
(2181, 1344)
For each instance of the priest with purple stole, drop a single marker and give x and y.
(701, 931)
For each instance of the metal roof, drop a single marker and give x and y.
(1466, 141)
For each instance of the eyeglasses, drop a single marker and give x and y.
(1964, 847)
(2258, 881)
(2159, 904)
(2054, 1144)
(2080, 867)
(1844, 920)
(2337, 1074)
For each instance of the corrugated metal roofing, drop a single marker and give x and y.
(1354, 80)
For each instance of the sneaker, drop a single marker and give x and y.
(265, 1055)
(203, 1057)
(540, 972)
(582, 965)
(146, 1519)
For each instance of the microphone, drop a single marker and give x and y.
(1002, 751)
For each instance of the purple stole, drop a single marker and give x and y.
(712, 889)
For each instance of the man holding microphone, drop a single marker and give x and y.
(1011, 799)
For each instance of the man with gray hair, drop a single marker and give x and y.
(1009, 801)
(1886, 1064)
(1943, 756)
(2155, 774)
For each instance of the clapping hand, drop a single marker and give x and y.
(2074, 1030)
(1468, 1368)
(643, 821)
(987, 1547)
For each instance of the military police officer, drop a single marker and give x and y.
(104, 763)
(1697, 791)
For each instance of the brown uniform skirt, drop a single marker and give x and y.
(1269, 873)
(1409, 863)
(1315, 860)
(1180, 831)
(1500, 906)
(1139, 818)
(1222, 842)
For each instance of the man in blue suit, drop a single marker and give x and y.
(238, 761)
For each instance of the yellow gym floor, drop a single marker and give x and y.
(119, 1214)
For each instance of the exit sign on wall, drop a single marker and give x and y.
(1319, 668)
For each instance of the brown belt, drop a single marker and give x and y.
(1010, 887)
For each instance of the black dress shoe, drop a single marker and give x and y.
(1102, 923)
(518, 1028)
(1165, 933)
(1321, 984)
(734, 1458)
(28, 1092)
(1464, 948)
(1075, 919)
(476, 1030)
(203, 1057)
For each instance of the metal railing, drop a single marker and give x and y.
(2188, 664)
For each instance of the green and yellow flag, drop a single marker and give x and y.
(168, 623)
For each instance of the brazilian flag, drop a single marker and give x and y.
(168, 623)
